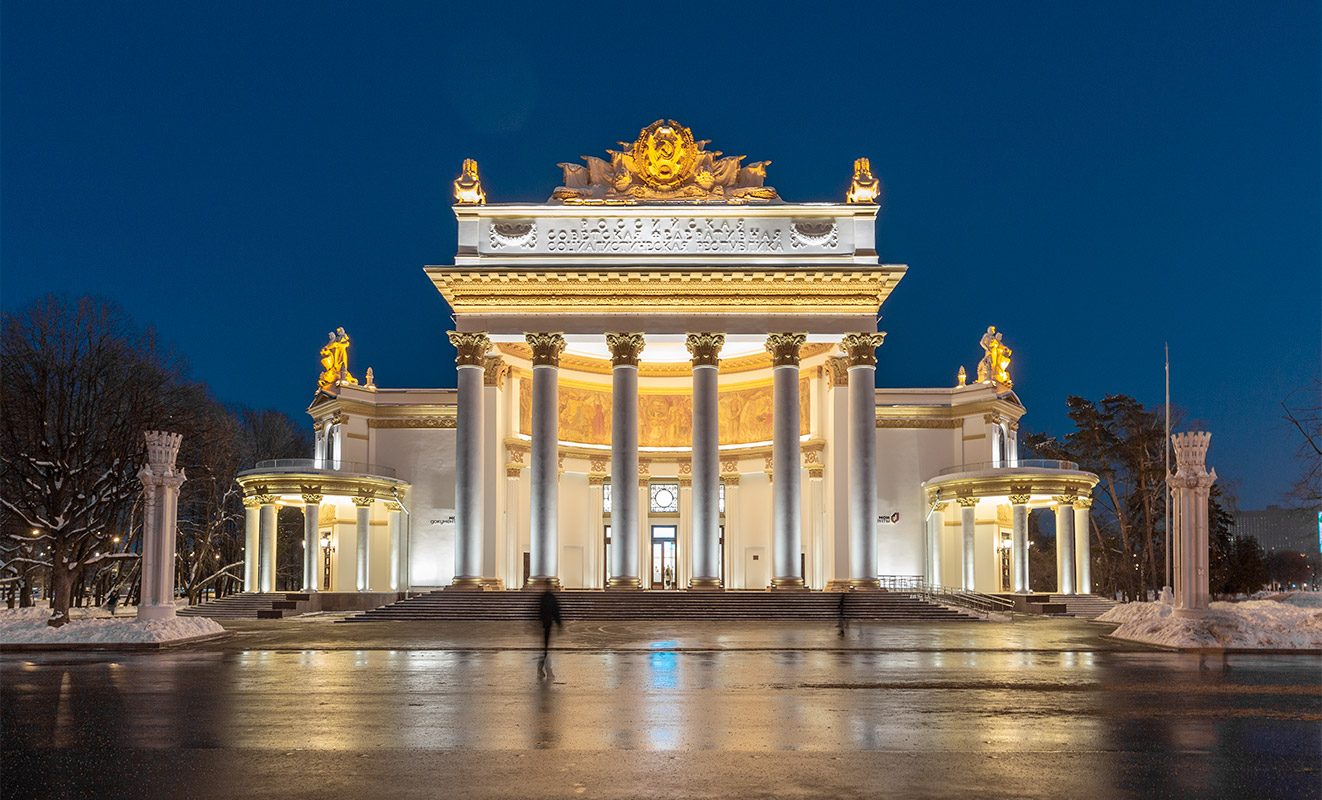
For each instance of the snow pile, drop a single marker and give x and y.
(1261, 624)
(28, 626)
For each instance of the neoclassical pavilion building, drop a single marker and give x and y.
(666, 379)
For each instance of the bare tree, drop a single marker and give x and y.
(80, 385)
(1303, 412)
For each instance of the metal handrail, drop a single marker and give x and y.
(917, 586)
(332, 465)
(1031, 463)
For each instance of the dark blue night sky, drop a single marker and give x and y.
(1093, 178)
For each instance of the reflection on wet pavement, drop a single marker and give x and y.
(235, 721)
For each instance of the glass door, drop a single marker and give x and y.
(665, 569)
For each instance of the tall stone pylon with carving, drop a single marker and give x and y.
(161, 480)
(1189, 487)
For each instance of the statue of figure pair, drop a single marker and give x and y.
(335, 362)
(995, 364)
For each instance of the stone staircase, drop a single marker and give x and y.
(578, 605)
(1084, 606)
(251, 605)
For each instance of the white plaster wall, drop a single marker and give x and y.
(905, 458)
(573, 518)
(755, 529)
(425, 458)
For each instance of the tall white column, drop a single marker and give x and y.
(1019, 497)
(311, 545)
(626, 348)
(395, 524)
(251, 544)
(1082, 545)
(161, 480)
(363, 546)
(266, 534)
(968, 524)
(786, 514)
(1192, 486)
(1065, 583)
(544, 461)
(860, 348)
(705, 348)
(936, 521)
(469, 508)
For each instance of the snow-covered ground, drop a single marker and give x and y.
(95, 626)
(1284, 622)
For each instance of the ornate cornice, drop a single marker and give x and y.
(546, 348)
(470, 348)
(705, 348)
(784, 348)
(625, 348)
(917, 422)
(430, 421)
(861, 348)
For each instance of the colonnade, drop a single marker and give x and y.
(1073, 551)
(704, 349)
(260, 518)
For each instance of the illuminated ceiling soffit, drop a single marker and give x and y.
(653, 369)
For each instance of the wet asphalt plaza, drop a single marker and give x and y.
(1035, 708)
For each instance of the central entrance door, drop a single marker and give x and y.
(665, 568)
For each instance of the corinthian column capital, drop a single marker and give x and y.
(470, 348)
(625, 348)
(546, 348)
(705, 348)
(861, 348)
(784, 348)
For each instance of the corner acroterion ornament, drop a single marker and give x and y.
(468, 186)
(864, 188)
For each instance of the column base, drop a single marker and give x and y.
(626, 584)
(542, 584)
(705, 585)
(465, 584)
(788, 584)
(836, 585)
(155, 612)
(864, 584)
(493, 585)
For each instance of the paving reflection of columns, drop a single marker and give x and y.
(625, 348)
(1019, 496)
(363, 543)
(251, 544)
(395, 525)
(705, 349)
(1082, 545)
(968, 524)
(1065, 583)
(266, 543)
(936, 521)
(786, 514)
(311, 545)
(544, 466)
(860, 349)
(470, 361)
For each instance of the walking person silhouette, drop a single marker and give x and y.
(548, 611)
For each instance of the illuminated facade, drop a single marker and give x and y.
(666, 380)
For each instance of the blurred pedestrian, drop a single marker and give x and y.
(548, 610)
(113, 602)
(840, 614)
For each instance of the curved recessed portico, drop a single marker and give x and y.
(977, 524)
